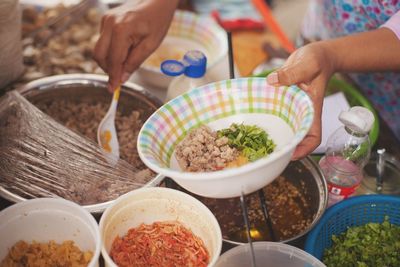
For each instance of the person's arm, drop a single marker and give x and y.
(311, 66)
(129, 34)
(377, 50)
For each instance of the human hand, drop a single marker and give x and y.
(309, 67)
(129, 34)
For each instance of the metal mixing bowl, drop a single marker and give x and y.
(87, 88)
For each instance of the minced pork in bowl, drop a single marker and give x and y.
(284, 113)
(79, 102)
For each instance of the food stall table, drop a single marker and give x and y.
(248, 54)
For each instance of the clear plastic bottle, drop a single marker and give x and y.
(193, 67)
(348, 150)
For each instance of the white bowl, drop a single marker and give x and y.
(46, 219)
(148, 205)
(188, 31)
(285, 113)
(275, 254)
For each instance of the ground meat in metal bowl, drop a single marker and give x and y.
(50, 160)
(84, 118)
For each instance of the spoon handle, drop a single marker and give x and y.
(114, 102)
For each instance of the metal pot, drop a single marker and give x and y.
(87, 87)
(304, 174)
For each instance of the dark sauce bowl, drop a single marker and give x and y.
(294, 203)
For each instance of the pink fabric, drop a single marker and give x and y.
(394, 24)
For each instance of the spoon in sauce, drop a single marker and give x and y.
(106, 132)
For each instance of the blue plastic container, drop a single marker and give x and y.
(354, 211)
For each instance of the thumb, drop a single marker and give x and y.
(290, 74)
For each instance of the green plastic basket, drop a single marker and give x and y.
(353, 96)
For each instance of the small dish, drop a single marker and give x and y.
(49, 219)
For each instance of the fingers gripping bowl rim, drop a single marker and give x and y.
(285, 112)
(353, 95)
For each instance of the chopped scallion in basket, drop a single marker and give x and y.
(372, 244)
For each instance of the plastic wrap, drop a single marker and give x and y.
(40, 157)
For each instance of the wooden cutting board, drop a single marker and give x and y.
(247, 49)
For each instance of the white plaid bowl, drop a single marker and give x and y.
(285, 113)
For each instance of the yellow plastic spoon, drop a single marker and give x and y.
(106, 132)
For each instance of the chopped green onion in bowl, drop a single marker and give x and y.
(253, 142)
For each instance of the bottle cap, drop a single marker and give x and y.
(196, 64)
(172, 67)
(358, 119)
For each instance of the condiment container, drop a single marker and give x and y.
(348, 150)
(156, 204)
(47, 219)
(268, 254)
(189, 74)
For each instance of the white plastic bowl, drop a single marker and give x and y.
(148, 205)
(268, 254)
(285, 113)
(188, 31)
(46, 219)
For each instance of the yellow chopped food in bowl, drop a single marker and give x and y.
(48, 254)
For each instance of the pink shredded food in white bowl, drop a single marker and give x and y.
(157, 226)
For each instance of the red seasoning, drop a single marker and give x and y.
(159, 244)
